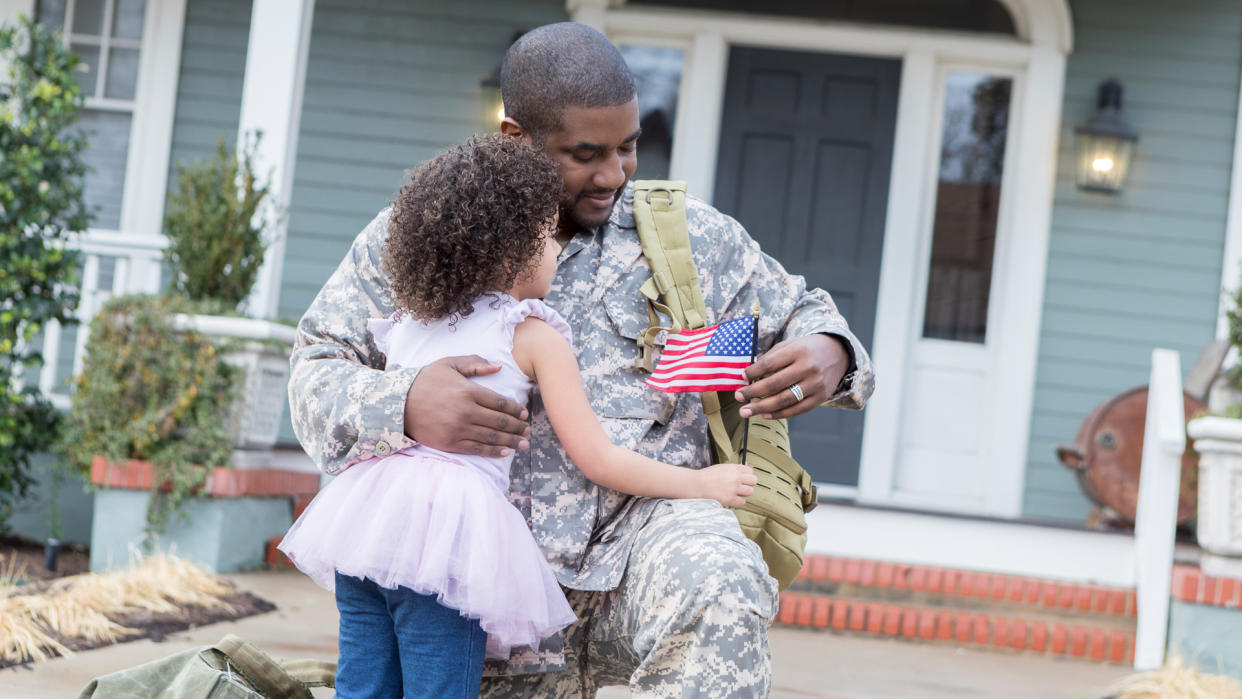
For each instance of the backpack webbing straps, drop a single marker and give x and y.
(660, 215)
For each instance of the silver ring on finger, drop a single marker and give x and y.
(796, 390)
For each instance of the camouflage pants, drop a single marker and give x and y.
(689, 619)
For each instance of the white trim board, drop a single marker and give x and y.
(987, 545)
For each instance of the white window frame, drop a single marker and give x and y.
(152, 111)
(138, 242)
(1036, 54)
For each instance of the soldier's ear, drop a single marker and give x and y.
(509, 127)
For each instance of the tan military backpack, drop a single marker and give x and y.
(774, 516)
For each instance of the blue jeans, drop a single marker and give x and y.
(398, 642)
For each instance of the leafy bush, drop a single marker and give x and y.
(149, 391)
(214, 247)
(41, 206)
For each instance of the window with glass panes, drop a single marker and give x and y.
(107, 36)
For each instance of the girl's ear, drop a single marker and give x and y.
(509, 127)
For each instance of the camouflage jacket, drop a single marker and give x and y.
(345, 409)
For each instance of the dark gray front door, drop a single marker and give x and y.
(806, 146)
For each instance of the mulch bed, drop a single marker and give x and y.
(26, 558)
(76, 560)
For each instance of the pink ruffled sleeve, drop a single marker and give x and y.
(534, 308)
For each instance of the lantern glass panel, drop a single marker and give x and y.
(1103, 162)
(968, 190)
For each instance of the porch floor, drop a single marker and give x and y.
(806, 664)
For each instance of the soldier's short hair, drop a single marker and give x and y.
(557, 66)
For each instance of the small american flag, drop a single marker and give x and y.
(705, 359)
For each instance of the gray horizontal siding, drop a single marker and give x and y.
(209, 86)
(388, 84)
(1141, 270)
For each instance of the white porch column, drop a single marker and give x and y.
(588, 12)
(10, 9)
(272, 103)
(700, 109)
(1231, 269)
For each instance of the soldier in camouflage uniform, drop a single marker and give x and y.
(672, 599)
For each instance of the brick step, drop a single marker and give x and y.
(984, 630)
(962, 590)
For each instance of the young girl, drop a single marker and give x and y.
(429, 562)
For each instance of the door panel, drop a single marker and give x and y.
(805, 152)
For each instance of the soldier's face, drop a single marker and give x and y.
(595, 154)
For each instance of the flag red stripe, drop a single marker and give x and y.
(700, 376)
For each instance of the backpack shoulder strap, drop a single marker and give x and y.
(660, 215)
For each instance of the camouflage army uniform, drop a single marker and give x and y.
(672, 599)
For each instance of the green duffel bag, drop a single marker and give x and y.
(231, 669)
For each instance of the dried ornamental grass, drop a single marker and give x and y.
(12, 574)
(21, 636)
(83, 606)
(1177, 679)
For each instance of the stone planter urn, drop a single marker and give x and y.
(1219, 443)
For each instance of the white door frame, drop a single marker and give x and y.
(1036, 56)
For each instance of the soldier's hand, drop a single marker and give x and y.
(447, 411)
(816, 363)
(728, 484)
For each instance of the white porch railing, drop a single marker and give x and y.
(135, 262)
(1164, 440)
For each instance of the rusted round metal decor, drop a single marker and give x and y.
(1107, 455)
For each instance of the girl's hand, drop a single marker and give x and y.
(727, 484)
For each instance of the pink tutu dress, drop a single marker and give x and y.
(435, 522)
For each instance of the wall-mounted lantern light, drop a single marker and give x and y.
(1105, 143)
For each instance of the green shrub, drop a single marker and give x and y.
(214, 247)
(149, 391)
(41, 206)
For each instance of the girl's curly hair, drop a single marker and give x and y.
(470, 220)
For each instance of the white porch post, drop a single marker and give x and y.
(1231, 269)
(1155, 521)
(272, 103)
(10, 9)
(588, 12)
(701, 107)
(146, 179)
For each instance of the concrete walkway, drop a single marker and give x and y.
(807, 664)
